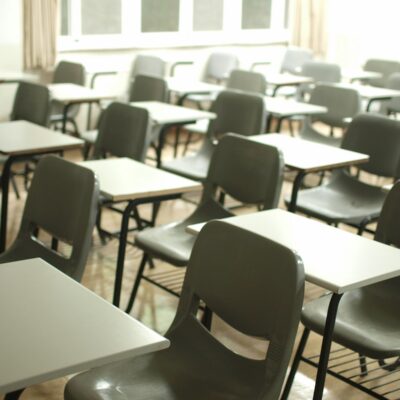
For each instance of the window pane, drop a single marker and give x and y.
(64, 17)
(256, 14)
(160, 15)
(101, 17)
(207, 15)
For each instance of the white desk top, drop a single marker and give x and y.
(164, 113)
(22, 137)
(282, 107)
(287, 79)
(183, 86)
(52, 326)
(372, 92)
(307, 156)
(8, 76)
(123, 179)
(333, 258)
(70, 93)
(358, 74)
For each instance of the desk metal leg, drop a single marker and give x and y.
(279, 124)
(160, 146)
(121, 252)
(123, 239)
(295, 190)
(5, 180)
(65, 117)
(326, 346)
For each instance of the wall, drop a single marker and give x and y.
(362, 29)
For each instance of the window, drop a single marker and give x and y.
(166, 23)
(208, 15)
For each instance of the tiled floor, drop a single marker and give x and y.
(156, 308)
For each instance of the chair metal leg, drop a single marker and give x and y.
(137, 283)
(295, 364)
(206, 319)
(363, 365)
(14, 185)
(14, 395)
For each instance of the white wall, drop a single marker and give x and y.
(11, 31)
(362, 29)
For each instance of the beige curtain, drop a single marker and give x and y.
(308, 24)
(40, 33)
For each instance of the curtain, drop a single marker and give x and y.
(40, 33)
(309, 25)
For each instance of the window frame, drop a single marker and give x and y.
(132, 37)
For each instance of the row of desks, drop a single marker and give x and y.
(138, 183)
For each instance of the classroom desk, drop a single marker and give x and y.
(354, 74)
(15, 77)
(333, 259)
(281, 108)
(305, 157)
(281, 80)
(137, 183)
(69, 94)
(167, 115)
(371, 93)
(52, 326)
(20, 140)
(186, 87)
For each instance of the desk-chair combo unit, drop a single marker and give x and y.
(61, 203)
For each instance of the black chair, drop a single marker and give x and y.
(240, 113)
(256, 287)
(342, 104)
(32, 104)
(367, 321)
(123, 132)
(246, 170)
(345, 198)
(62, 202)
(67, 72)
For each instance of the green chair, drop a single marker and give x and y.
(345, 198)
(368, 320)
(244, 169)
(240, 113)
(256, 287)
(384, 67)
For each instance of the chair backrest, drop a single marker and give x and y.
(31, 103)
(123, 132)
(322, 71)
(69, 72)
(249, 171)
(379, 137)
(237, 112)
(148, 65)
(341, 103)
(385, 67)
(247, 81)
(219, 66)
(62, 200)
(392, 105)
(294, 59)
(387, 230)
(148, 88)
(257, 287)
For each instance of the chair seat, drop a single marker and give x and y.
(365, 323)
(342, 199)
(309, 133)
(89, 136)
(193, 167)
(187, 370)
(171, 242)
(201, 126)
